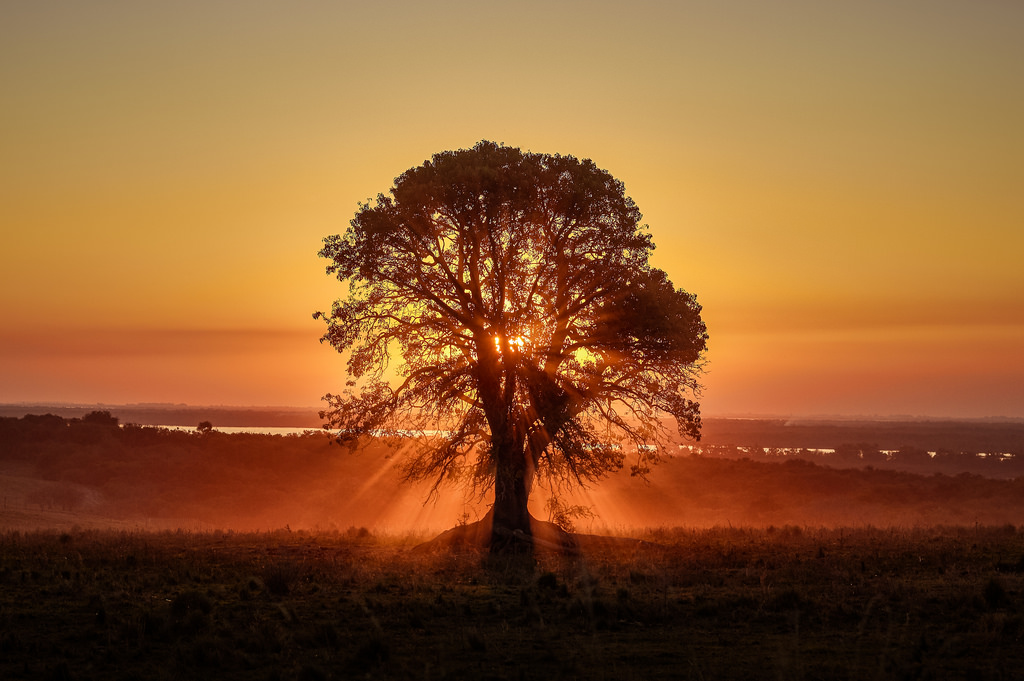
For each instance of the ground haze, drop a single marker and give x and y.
(133, 552)
(59, 473)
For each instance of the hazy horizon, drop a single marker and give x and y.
(300, 409)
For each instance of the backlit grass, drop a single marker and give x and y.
(719, 603)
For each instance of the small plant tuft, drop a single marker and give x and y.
(279, 577)
(995, 594)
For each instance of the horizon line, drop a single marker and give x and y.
(736, 416)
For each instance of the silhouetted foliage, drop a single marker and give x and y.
(102, 419)
(512, 294)
(948, 435)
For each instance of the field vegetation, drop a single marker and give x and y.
(130, 552)
(718, 603)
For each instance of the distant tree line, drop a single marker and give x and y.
(249, 481)
(144, 471)
(989, 449)
(180, 415)
(946, 436)
(1005, 465)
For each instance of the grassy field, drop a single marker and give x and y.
(720, 603)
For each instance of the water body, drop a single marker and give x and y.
(258, 430)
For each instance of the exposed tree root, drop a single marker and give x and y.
(544, 537)
(483, 536)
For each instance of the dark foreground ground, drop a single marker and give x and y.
(722, 603)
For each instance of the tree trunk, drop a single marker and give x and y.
(510, 530)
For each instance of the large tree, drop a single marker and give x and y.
(502, 304)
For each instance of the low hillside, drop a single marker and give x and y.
(91, 472)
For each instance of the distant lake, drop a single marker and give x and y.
(258, 430)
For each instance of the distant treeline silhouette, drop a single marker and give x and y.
(954, 436)
(951, 447)
(97, 467)
(150, 472)
(868, 455)
(180, 415)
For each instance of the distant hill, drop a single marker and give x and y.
(932, 435)
(975, 435)
(179, 414)
(93, 473)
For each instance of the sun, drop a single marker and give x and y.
(515, 343)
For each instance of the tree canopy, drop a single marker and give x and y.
(503, 303)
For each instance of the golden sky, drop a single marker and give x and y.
(840, 183)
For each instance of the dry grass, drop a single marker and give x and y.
(720, 603)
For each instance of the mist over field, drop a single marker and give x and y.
(94, 472)
(131, 551)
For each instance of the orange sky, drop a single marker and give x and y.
(839, 183)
